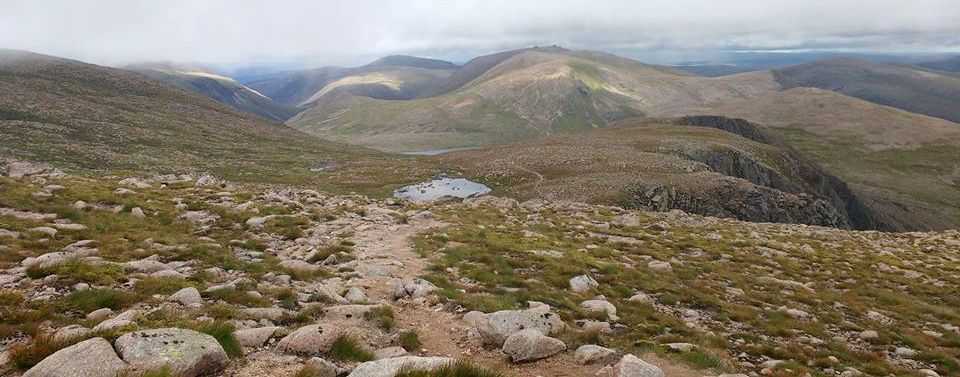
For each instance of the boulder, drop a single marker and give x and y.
(582, 283)
(90, 358)
(322, 368)
(309, 340)
(602, 306)
(356, 295)
(70, 332)
(494, 328)
(273, 314)
(389, 352)
(299, 266)
(632, 366)
(186, 296)
(145, 266)
(187, 353)
(256, 337)
(113, 324)
(589, 354)
(137, 212)
(531, 344)
(391, 367)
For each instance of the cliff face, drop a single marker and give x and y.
(795, 174)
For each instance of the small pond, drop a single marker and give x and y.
(441, 187)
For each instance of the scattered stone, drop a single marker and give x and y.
(45, 230)
(309, 340)
(137, 212)
(869, 335)
(322, 368)
(659, 266)
(582, 283)
(113, 324)
(273, 314)
(389, 352)
(589, 354)
(100, 314)
(531, 344)
(681, 347)
(632, 366)
(356, 295)
(604, 306)
(187, 353)
(494, 328)
(90, 358)
(391, 367)
(186, 296)
(255, 337)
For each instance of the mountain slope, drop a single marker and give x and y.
(946, 65)
(391, 77)
(897, 86)
(839, 117)
(531, 93)
(707, 165)
(222, 89)
(84, 116)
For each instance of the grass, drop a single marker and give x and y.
(28, 354)
(346, 348)
(223, 333)
(456, 369)
(709, 257)
(410, 340)
(383, 316)
(93, 299)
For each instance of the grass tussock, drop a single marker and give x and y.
(457, 369)
(346, 348)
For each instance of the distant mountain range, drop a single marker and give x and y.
(226, 90)
(843, 141)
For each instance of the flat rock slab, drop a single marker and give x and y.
(188, 353)
(390, 367)
(90, 358)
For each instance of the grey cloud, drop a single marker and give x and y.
(345, 32)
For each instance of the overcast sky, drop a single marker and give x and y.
(354, 31)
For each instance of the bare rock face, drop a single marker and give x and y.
(391, 367)
(309, 340)
(531, 344)
(188, 353)
(90, 358)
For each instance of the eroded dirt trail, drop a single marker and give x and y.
(388, 248)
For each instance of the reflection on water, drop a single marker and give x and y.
(441, 187)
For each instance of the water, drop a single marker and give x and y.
(441, 187)
(434, 152)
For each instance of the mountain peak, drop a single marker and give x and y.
(411, 61)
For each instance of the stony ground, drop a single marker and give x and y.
(190, 275)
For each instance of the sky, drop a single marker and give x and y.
(349, 32)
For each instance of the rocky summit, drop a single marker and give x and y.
(176, 277)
